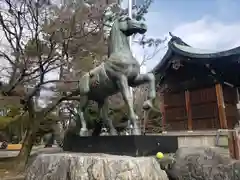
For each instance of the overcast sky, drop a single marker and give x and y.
(206, 24)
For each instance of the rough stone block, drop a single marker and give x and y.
(82, 166)
(201, 163)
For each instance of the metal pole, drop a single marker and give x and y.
(130, 45)
(130, 4)
(130, 15)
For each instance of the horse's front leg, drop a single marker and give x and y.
(83, 124)
(104, 116)
(149, 79)
(128, 98)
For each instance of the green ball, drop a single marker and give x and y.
(159, 155)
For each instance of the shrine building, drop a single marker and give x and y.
(198, 88)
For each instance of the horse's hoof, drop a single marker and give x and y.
(83, 132)
(136, 132)
(147, 105)
(113, 133)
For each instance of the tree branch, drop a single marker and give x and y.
(53, 105)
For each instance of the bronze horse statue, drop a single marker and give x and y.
(117, 74)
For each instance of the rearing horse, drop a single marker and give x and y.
(117, 74)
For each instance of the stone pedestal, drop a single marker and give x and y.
(82, 166)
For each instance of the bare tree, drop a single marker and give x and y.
(151, 47)
(80, 33)
(41, 38)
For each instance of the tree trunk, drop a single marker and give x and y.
(29, 139)
(25, 151)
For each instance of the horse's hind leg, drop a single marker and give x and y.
(82, 106)
(127, 97)
(97, 129)
(149, 79)
(58, 134)
(104, 116)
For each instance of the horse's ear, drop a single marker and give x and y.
(116, 9)
(111, 11)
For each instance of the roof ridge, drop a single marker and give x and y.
(177, 40)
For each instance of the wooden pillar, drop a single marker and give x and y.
(236, 145)
(189, 110)
(232, 140)
(233, 145)
(221, 107)
(162, 109)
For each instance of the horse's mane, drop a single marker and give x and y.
(110, 14)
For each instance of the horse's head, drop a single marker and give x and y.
(114, 18)
(131, 26)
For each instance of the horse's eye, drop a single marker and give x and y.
(125, 18)
(121, 19)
